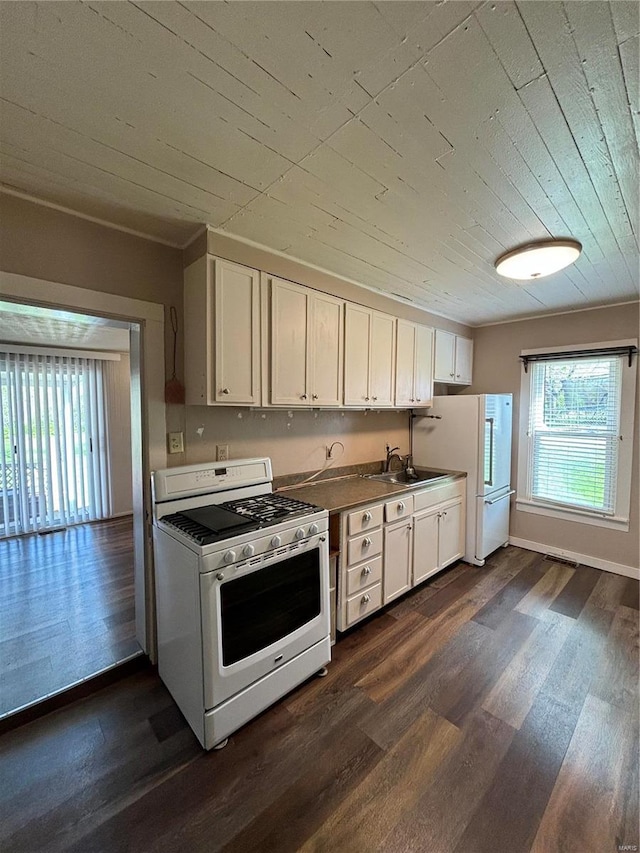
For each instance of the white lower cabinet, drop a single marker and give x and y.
(451, 539)
(425, 544)
(387, 548)
(397, 560)
(438, 539)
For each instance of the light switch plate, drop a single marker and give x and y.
(176, 442)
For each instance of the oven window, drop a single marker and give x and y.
(261, 608)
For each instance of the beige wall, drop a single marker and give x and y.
(44, 243)
(48, 244)
(497, 369)
(295, 444)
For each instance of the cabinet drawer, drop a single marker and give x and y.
(398, 508)
(363, 547)
(364, 575)
(364, 603)
(364, 519)
(431, 497)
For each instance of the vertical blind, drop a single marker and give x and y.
(53, 461)
(574, 432)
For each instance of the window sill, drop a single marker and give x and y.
(576, 515)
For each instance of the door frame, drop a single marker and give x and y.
(148, 418)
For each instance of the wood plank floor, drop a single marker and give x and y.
(492, 710)
(66, 608)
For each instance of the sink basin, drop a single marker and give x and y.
(405, 479)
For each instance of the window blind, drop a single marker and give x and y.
(53, 462)
(574, 431)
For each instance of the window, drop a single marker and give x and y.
(576, 435)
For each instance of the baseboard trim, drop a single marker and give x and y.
(584, 559)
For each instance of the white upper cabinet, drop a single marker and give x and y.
(289, 336)
(222, 333)
(306, 346)
(370, 342)
(453, 358)
(464, 360)
(382, 360)
(252, 339)
(356, 374)
(326, 362)
(414, 365)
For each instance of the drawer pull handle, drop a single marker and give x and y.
(366, 516)
(365, 599)
(400, 505)
(366, 571)
(225, 390)
(366, 542)
(314, 396)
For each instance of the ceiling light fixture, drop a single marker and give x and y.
(536, 260)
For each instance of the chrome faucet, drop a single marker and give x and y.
(391, 454)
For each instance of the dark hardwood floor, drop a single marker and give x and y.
(492, 710)
(66, 608)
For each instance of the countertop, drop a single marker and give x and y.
(343, 493)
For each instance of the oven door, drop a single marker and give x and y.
(259, 614)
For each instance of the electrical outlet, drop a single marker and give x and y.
(176, 442)
(222, 452)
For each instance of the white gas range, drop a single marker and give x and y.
(242, 592)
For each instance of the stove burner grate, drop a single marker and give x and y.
(267, 509)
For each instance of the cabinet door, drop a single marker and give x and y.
(236, 329)
(425, 545)
(326, 350)
(444, 357)
(356, 355)
(423, 385)
(382, 359)
(451, 538)
(405, 363)
(397, 560)
(289, 366)
(464, 360)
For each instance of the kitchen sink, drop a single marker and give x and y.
(404, 478)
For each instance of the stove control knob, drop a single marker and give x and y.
(300, 534)
(220, 576)
(276, 542)
(248, 551)
(313, 529)
(229, 557)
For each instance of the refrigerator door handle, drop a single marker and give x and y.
(501, 498)
(490, 421)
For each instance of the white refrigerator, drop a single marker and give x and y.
(473, 434)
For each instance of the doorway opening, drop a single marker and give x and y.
(67, 557)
